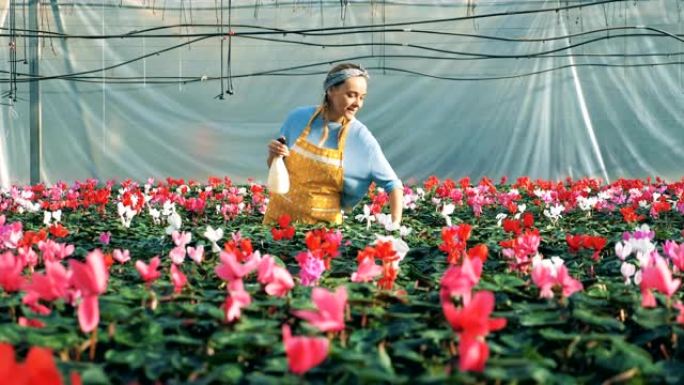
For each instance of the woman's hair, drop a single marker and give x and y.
(332, 72)
(325, 104)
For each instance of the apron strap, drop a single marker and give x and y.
(342, 138)
(307, 129)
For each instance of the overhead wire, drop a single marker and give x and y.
(363, 29)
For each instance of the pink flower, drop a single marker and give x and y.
(105, 237)
(53, 251)
(238, 298)
(460, 280)
(304, 353)
(281, 283)
(265, 269)
(676, 253)
(568, 284)
(11, 234)
(550, 273)
(149, 273)
(230, 269)
(311, 268)
(277, 279)
(473, 353)
(27, 256)
(680, 316)
(330, 314)
(30, 323)
(177, 255)
(121, 256)
(181, 239)
(91, 279)
(177, 278)
(659, 277)
(196, 254)
(366, 271)
(544, 276)
(10, 272)
(51, 285)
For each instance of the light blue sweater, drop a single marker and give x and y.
(363, 160)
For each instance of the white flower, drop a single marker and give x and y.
(366, 216)
(628, 270)
(174, 220)
(554, 212)
(623, 250)
(385, 220)
(404, 231)
(604, 195)
(499, 218)
(168, 208)
(155, 214)
(586, 204)
(447, 210)
(126, 214)
(214, 236)
(557, 261)
(521, 209)
(47, 217)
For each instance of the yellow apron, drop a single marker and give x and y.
(316, 182)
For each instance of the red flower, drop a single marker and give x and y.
(454, 241)
(512, 226)
(430, 183)
(324, 244)
(242, 248)
(528, 220)
(629, 215)
(31, 238)
(596, 243)
(473, 318)
(480, 251)
(58, 231)
(39, 368)
(575, 242)
(285, 231)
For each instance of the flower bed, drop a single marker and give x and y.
(178, 281)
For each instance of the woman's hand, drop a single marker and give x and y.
(275, 148)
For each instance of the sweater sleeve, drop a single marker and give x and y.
(381, 171)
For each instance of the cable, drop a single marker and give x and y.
(230, 48)
(220, 96)
(287, 72)
(372, 27)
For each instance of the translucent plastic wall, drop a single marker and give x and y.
(547, 89)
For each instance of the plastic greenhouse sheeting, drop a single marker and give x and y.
(603, 98)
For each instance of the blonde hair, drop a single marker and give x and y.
(325, 104)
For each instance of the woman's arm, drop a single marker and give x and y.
(396, 205)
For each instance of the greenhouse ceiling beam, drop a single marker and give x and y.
(35, 108)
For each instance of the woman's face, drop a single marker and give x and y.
(347, 98)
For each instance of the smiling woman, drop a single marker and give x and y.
(332, 157)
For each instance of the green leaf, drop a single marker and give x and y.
(591, 318)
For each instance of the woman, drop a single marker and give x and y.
(332, 157)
